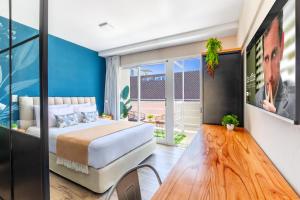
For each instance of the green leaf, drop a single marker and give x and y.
(125, 93)
(230, 119)
(128, 102)
(213, 45)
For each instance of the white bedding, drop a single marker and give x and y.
(105, 149)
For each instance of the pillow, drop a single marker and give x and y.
(66, 120)
(52, 109)
(58, 111)
(77, 108)
(89, 116)
(85, 108)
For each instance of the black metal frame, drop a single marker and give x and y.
(44, 97)
(10, 100)
(113, 188)
(43, 76)
(278, 5)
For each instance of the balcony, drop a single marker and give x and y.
(187, 118)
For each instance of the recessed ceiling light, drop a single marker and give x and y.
(105, 25)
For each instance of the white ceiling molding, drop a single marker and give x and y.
(167, 22)
(224, 30)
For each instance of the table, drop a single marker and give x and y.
(221, 164)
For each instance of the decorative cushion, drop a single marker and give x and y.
(66, 120)
(86, 107)
(89, 116)
(63, 110)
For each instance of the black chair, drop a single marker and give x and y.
(128, 187)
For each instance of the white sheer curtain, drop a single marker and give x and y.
(111, 87)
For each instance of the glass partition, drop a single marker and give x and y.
(23, 155)
(4, 25)
(25, 82)
(25, 20)
(5, 154)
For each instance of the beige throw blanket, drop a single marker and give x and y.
(72, 147)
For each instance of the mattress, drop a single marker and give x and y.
(104, 150)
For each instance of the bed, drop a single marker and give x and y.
(108, 157)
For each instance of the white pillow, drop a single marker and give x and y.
(36, 109)
(87, 108)
(83, 109)
(53, 110)
(58, 111)
(76, 107)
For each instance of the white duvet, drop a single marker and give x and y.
(106, 149)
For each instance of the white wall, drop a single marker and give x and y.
(279, 139)
(172, 52)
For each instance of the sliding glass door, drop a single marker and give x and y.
(165, 94)
(153, 98)
(178, 114)
(143, 98)
(187, 115)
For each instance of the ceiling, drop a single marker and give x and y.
(133, 21)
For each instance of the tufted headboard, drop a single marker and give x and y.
(26, 106)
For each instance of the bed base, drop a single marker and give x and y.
(100, 180)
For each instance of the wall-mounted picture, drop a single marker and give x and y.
(271, 62)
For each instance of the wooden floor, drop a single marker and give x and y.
(224, 165)
(164, 158)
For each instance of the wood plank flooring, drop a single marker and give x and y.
(224, 165)
(163, 159)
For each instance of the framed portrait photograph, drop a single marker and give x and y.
(271, 62)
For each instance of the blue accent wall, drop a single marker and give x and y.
(75, 71)
(72, 69)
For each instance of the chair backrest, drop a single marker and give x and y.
(128, 187)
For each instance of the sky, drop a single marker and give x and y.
(192, 64)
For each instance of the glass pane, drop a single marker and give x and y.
(25, 82)
(152, 100)
(129, 94)
(187, 115)
(178, 78)
(192, 106)
(5, 169)
(25, 17)
(192, 79)
(4, 31)
(4, 92)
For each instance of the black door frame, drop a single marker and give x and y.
(44, 97)
(43, 76)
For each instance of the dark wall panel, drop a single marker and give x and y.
(27, 167)
(223, 94)
(5, 172)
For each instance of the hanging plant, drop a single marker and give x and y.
(213, 46)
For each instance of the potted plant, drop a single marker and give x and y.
(125, 106)
(106, 116)
(150, 117)
(213, 45)
(230, 121)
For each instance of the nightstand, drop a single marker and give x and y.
(107, 117)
